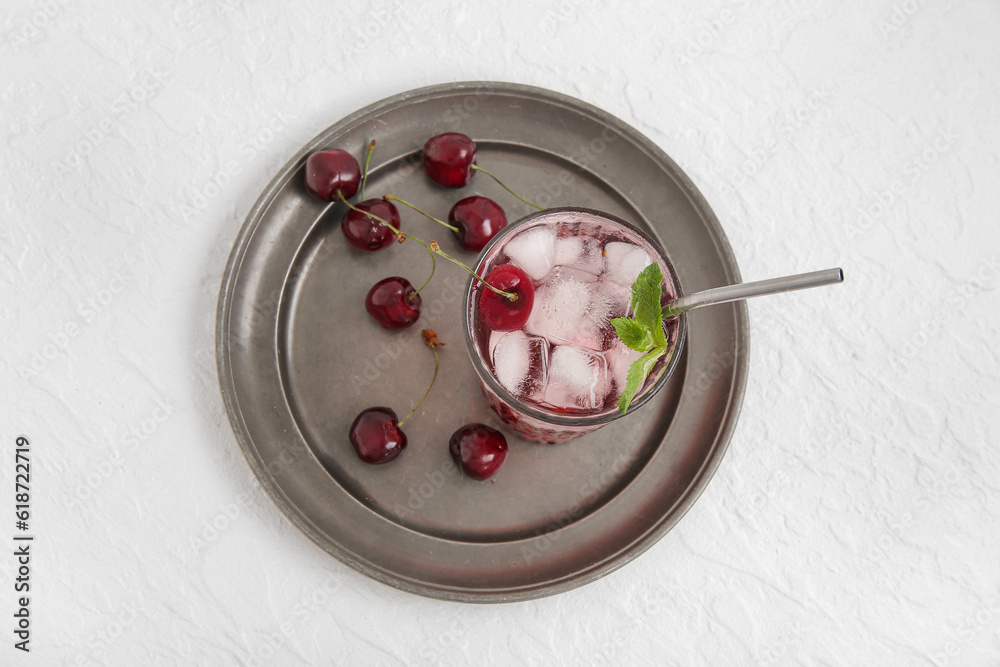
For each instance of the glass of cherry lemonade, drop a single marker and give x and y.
(560, 375)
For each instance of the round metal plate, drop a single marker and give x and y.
(299, 357)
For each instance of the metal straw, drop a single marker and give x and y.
(747, 290)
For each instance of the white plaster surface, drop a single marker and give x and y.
(856, 517)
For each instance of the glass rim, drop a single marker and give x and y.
(560, 418)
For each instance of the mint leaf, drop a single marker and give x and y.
(659, 337)
(643, 332)
(646, 292)
(633, 334)
(637, 374)
(646, 296)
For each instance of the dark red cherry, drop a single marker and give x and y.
(330, 171)
(366, 233)
(478, 220)
(393, 303)
(478, 450)
(499, 312)
(448, 159)
(376, 435)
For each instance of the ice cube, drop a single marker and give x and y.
(580, 253)
(624, 262)
(566, 273)
(615, 297)
(533, 251)
(577, 379)
(495, 337)
(561, 304)
(520, 363)
(619, 359)
(608, 301)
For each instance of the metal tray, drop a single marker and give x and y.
(298, 358)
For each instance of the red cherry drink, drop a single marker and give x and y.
(560, 375)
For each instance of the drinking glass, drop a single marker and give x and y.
(539, 421)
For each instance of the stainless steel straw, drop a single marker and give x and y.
(747, 290)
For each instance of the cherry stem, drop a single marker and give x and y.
(401, 236)
(395, 231)
(421, 212)
(433, 249)
(510, 296)
(433, 377)
(529, 203)
(364, 174)
(433, 268)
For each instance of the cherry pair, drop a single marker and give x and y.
(378, 437)
(479, 450)
(448, 159)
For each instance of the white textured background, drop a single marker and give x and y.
(854, 520)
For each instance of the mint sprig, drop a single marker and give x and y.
(643, 332)
(633, 334)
